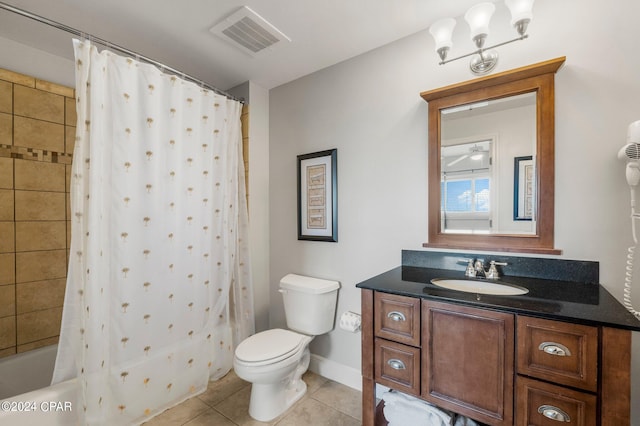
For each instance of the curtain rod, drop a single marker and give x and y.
(110, 45)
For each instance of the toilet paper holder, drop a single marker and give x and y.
(350, 321)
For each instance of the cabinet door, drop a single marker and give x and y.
(468, 361)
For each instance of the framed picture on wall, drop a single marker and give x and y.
(523, 188)
(318, 196)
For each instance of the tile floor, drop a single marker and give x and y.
(226, 403)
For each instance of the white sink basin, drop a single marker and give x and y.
(481, 287)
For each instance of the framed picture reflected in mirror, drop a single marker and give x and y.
(524, 178)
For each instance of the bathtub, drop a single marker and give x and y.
(28, 398)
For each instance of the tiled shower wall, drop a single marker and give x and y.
(244, 118)
(37, 132)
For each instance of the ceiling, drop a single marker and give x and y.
(176, 33)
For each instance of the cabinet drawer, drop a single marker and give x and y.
(397, 318)
(397, 366)
(544, 404)
(559, 352)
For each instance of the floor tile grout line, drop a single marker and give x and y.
(336, 409)
(214, 407)
(312, 394)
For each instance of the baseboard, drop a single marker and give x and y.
(337, 372)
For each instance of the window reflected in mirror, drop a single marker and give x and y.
(479, 143)
(466, 187)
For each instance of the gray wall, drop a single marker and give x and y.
(370, 110)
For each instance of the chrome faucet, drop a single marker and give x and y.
(479, 267)
(476, 269)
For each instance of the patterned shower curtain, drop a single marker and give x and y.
(159, 291)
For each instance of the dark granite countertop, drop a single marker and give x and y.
(584, 303)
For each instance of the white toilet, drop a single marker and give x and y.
(275, 360)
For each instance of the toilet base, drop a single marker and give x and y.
(269, 400)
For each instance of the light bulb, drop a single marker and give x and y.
(442, 32)
(478, 18)
(521, 14)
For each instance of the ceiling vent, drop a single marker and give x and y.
(249, 32)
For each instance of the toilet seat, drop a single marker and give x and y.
(270, 346)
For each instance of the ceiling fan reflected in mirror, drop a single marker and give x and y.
(476, 153)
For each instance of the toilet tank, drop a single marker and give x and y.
(309, 303)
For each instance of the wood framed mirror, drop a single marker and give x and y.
(477, 130)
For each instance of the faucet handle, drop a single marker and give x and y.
(493, 274)
(470, 271)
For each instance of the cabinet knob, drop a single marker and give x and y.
(553, 348)
(396, 316)
(554, 413)
(396, 364)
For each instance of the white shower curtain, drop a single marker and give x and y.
(159, 291)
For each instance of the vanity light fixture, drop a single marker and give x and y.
(484, 59)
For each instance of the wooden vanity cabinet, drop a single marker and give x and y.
(494, 367)
(468, 361)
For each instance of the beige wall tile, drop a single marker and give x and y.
(6, 97)
(6, 204)
(245, 150)
(41, 110)
(38, 134)
(7, 300)
(7, 237)
(38, 295)
(38, 344)
(38, 325)
(40, 265)
(34, 103)
(6, 173)
(67, 169)
(39, 176)
(245, 124)
(15, 77)
(70, 115)
(68, 234)
(7, 352)
(69, 139)
(67, 202)
(7, 268)
(50, 87)
(6, 129)
(44, 235)
(36, 205)
(7, 332)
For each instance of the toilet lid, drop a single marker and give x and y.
(268, 345)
